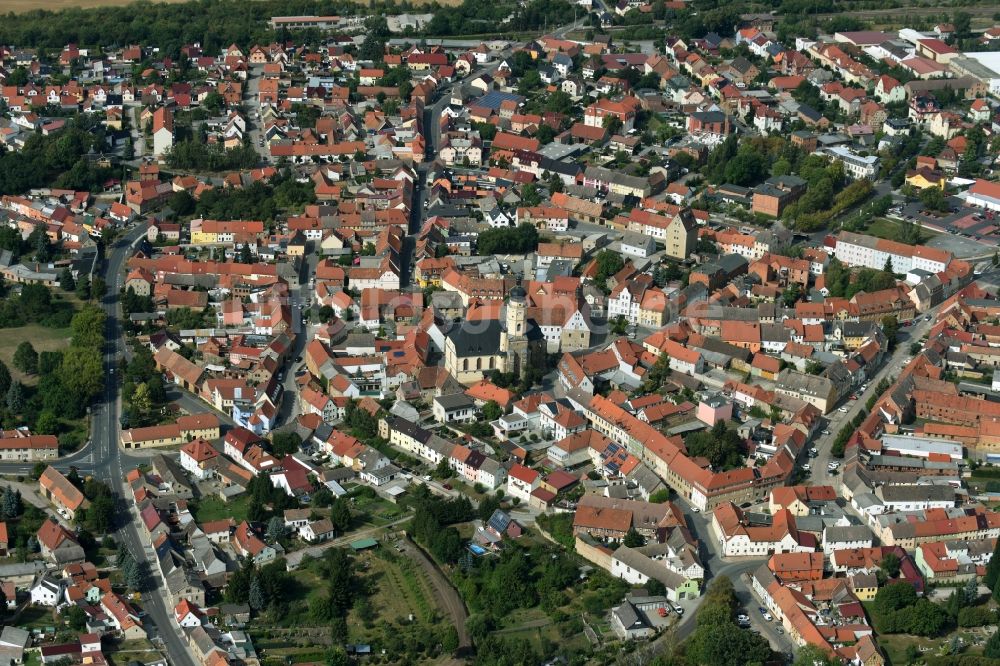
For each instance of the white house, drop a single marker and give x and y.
(46, 591)
(522, 481)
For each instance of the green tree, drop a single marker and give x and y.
(275, 529)
(285, 443)
(83, 288)
(26, 358)
(376, 37)
(443, 469)
(66, 280)
(993, 568)
(633, 539)
(11, 505)
(256, 597)
(492, 411)
(5, 378)
(811, 655)
(340, 515)
(890, 565)
(15, 398)
(992, 648)
(88, 327)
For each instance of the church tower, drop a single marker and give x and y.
(514, 339)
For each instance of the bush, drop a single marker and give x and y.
(976, 616)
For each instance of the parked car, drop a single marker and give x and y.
(806, 466)
(678, 609)
(662, 612)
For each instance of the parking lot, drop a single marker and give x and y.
(966, 231)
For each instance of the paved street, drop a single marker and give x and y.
(110, 463)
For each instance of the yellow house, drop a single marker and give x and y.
(865, 586)
(297, 245)
(924, 178)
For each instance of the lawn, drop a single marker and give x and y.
(890, 230)
(210, 507)
(42, 338)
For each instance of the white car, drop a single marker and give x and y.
(833, 464)
(826, 432)
(806, 466)
(843, 409)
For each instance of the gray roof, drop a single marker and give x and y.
(837, 534)
(628, 616)
(901, 493)
(15, 637)
(454, 401)
(480, 340)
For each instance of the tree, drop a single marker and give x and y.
(4, 378)
(492, 411)
(97, 289)
(443, 469)
(340, 515)
(15, 398)
(76, 618)
(88, 327)
(992, 649)
(285, 443)
(256, 597)
(83, 288)
(993, 568)
(246, 257)
(376, 37)
(181, 202)
(633, 539)
(11, 505)
(890, 326)
(811, 655)
(890, 565)
(26, 358)
(133, 576)
(275, 528)
(66, 280)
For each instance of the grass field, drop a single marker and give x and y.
(43, 339)
(890, 230)
(210, 507)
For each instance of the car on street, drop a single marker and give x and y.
(662, 612)
(843, 409)
(678, 609)
(447, 486)
(767, 616)
(742, 617)
(826, 432)
(806, 466)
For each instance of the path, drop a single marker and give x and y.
(446, 595)
(294, 558)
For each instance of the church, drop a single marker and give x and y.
(473, 351)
